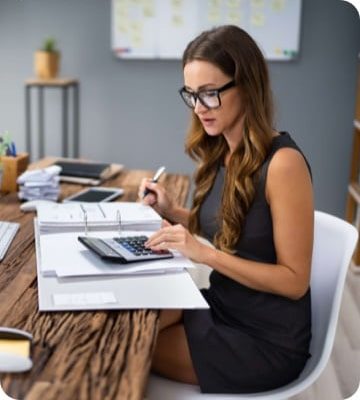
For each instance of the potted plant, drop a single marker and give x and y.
(47, 60)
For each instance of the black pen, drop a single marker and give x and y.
(156, 177)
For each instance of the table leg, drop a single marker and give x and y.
(28, 119)
(76, 120)
(41, 122)
(65, 122)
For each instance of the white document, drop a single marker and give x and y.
(39, 175)
(162, 291)
(86, 298)
(117, 215)
(157, 291)
(62, 255)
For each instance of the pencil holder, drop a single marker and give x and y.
(12, 168)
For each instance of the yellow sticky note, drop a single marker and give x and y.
(257, 19)
(21, 347)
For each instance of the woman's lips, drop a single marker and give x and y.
(208, 121)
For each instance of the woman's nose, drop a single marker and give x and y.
(199, 107)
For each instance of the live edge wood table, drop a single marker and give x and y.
(76, 355)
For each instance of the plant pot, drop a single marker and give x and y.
(46, 64)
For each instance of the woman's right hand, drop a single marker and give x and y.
(156, 198)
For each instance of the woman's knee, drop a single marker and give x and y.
(172, 357)
(170, 317)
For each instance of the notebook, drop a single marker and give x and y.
(85, 172)
(83, 169)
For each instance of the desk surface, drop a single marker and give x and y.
(76, 355)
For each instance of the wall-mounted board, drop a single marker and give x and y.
(147, 29)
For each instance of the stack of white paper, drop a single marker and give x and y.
(62, 255)
(77, 217)
(40, 184)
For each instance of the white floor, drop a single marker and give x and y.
(342, 375)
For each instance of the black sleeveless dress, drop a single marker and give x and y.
(248, 341)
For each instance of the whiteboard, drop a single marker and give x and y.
(147, 29)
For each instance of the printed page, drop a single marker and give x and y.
(62, 255)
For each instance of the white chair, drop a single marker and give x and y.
(4, 396)
(334, 243)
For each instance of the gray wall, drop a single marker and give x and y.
(131, 112)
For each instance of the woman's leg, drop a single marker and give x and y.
(169, 317)
(172, 355)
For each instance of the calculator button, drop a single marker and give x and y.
(135, 245)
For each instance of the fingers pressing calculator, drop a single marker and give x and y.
(123, 249)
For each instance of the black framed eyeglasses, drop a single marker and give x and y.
(210, 98)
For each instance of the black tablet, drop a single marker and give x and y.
(95, 195)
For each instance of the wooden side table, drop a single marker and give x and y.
(64, 84)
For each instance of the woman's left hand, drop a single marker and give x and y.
(178, 238)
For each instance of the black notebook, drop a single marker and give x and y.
(83, 169)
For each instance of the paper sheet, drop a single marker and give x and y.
(82, 299)
(137, 291)
(61, 254)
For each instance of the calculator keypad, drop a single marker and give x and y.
(136, 245)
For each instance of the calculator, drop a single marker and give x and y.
(123, 249)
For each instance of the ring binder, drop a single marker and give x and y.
(118, 218)
(69, 217)
(85, 220)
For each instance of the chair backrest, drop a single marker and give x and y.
(334, 244)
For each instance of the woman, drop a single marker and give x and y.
(253, 199)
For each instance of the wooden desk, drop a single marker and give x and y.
(76, 355)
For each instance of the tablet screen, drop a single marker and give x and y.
(95, 195)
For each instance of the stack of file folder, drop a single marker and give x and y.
(40, 184)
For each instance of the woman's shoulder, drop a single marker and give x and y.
(286, 160)
(286, 155)
(283, 139)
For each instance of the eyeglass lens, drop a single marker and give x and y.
(207, 99)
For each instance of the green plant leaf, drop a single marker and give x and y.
(49, 45)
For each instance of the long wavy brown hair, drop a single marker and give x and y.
(234, 52)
